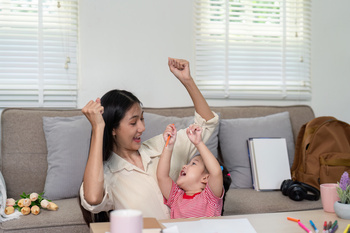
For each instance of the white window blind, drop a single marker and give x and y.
(253, 49)
(38, 53)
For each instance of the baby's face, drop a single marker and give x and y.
(192, 173)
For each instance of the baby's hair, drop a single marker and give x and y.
(227, 182)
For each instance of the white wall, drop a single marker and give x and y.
(126, 47)
(331, 58)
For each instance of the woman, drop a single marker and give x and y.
(121, 172)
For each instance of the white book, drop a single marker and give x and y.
(269, 162)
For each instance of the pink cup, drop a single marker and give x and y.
(329, 196)
(126, 220)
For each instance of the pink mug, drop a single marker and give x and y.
(329, 196)
(126, 220)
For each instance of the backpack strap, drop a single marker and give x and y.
(297, 154)
(335, 162)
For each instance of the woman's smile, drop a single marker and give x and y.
(137, 139)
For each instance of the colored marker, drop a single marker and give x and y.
(334, 228)
(329, 225)
(167, 141)
(304, 227)
(313, 225)
(334, 224)
(293, 219)
(325, 227)
(347, 229)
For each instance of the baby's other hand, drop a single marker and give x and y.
(194, 133)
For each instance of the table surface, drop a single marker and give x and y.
(268, 222)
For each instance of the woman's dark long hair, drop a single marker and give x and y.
(116, 103)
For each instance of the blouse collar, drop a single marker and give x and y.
(117, 163)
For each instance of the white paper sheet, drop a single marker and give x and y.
(214, 226)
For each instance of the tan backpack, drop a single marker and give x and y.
(322, 152)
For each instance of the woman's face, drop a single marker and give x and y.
(128, 134)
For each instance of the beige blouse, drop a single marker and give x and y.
(128, 187)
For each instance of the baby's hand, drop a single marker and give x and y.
(169, 135)
(194, 133)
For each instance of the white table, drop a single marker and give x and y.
(267, 223)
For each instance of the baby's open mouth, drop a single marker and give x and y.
(182, 173)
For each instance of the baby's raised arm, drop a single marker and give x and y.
(211, 163)
(163, 169)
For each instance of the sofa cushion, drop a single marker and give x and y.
(250, 201)
(68, 141)
(156, 124)
(233, 136)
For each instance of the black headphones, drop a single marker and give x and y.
(299, 191)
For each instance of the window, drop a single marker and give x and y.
(253, 49)
(38, 53)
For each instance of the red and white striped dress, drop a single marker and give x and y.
(202, 204)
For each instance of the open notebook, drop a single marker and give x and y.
(210, 226)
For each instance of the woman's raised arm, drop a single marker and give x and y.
(93, 176)
(181, 69)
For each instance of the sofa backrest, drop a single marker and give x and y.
(23, 145)
(23, 148)
(299, 114)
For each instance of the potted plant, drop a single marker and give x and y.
(342, 207)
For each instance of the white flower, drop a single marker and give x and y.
(10, 202)
(44, 203)
(33, 196)
(27, 202)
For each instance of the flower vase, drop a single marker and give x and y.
(342, 210)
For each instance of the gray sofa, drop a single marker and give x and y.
(24, 166)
